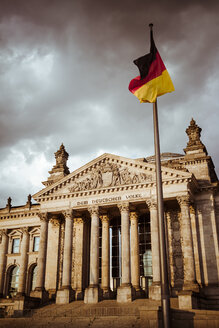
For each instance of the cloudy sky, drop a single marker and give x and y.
(65, 67)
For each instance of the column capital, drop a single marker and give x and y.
(44, 216)
(192, 208)
(79, 220)
(134, 216)
(24, 230)
(3, 232)
(168, 214)
(68, 214)
(183, 200)
(152, 204)
(123, 207)
(104, 218)
(93, 210)
(55, 221)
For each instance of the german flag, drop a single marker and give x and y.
(154, 80)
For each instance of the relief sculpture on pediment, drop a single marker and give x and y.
(109, 175)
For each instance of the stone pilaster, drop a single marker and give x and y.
(155, 289)
(92, 292)
(187, 245)
(105, 277)
(124, 292)
(41, 261)
(3, 252)
(65, 294)
(135, 260)
(23, 261)
(78, 264)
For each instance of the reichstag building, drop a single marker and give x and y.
(92, 234)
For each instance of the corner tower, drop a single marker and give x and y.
(59, 170)
(196, 157)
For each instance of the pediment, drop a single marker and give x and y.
(15, 233)
(108, 172)
(35, 231)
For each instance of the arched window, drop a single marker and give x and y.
(33, 278)
(13, 281)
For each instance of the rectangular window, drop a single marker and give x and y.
(16, 245)
(36, 243)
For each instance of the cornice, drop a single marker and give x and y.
(18, 216)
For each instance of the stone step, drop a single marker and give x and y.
(147, 318)
(102, 309)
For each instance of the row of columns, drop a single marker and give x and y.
(130, 260)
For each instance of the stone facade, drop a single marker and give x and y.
(93, 233)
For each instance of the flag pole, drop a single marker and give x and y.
(165, 296)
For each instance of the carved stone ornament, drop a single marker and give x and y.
(152, 204)
(93, 210)
(44, 216)
(109, 175)
(194, 134)
(3, 232)
(192, 209)
(8, 205)
(68, 214)
(183, 201)
(24, 230)
(78, 220)
(29, 203)
(60, 169)
(105, 218)
(123, 207)
(55, 221)
(134, 216)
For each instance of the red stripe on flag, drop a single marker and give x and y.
(155, 70)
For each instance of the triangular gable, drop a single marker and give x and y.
(15, 233)
(109, 172)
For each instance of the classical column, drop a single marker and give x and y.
(124, 292)
(41, 262)
(65, 294)
(3, 252)
(78, 261)
(105, 277)
(187, 245)
(135, 260)
(170, 247)
(155, 289)
(23, 261)
(66, 278)
(92, 292)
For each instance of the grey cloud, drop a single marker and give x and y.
(83, 99)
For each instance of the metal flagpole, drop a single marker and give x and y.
(165, 296)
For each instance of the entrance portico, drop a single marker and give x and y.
(111, 241)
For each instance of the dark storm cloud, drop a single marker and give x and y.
(64, 73)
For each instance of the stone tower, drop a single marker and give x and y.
(196, 157)
(59, 170)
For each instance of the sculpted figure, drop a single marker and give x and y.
(94, 179)
(100, 180)
(116, 179)
(126, 176)
(9, 202)
(135, 179)
(144, 177)
(87, 184)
